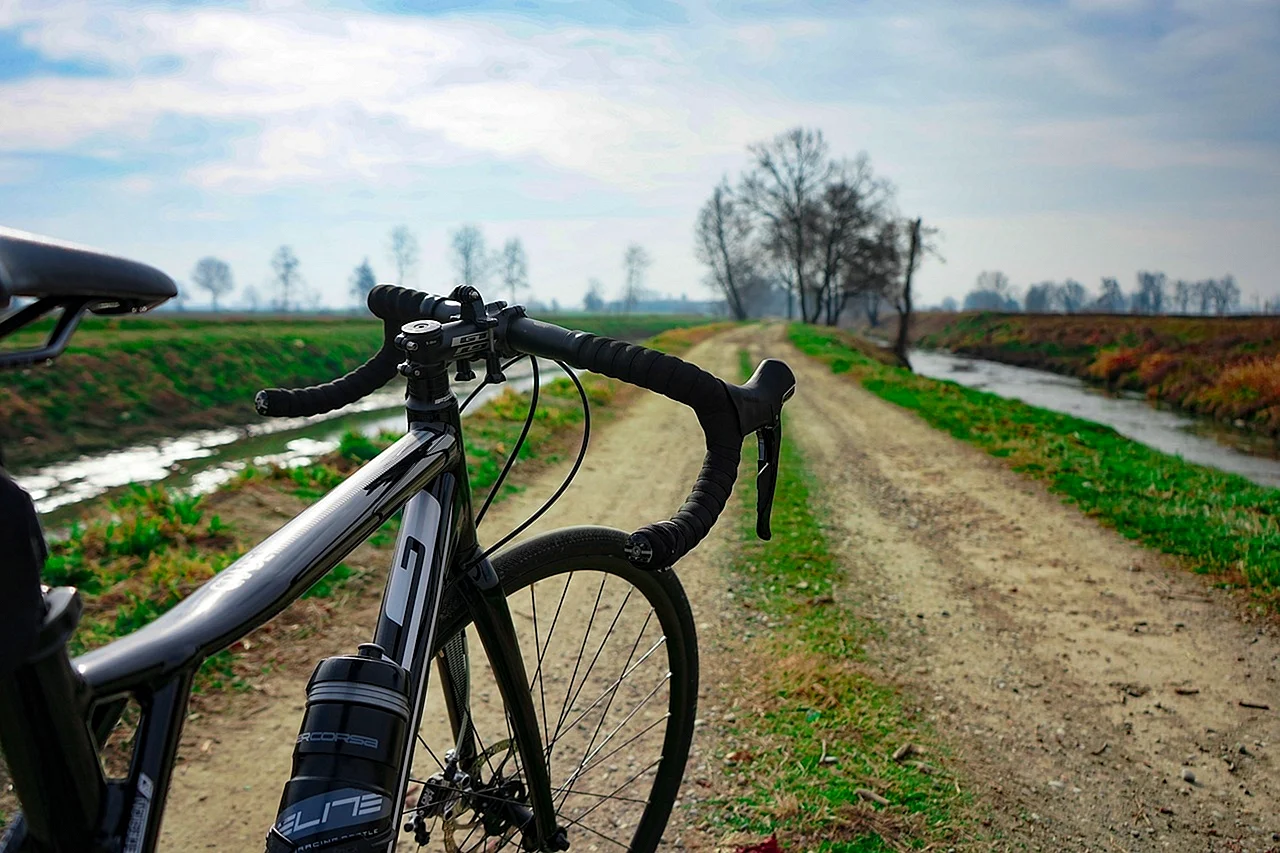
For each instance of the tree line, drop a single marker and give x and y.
(821, 233)
(1153, 293)
(474, 263)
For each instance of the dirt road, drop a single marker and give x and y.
(226, 791)
(1094, 692)
(1081, 680)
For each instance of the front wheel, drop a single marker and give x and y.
(611, 657)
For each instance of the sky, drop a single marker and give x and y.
(1045, 138)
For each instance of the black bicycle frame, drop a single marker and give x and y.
(425, 473)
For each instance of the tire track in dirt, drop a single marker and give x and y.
(638, 469)
(1081, 678)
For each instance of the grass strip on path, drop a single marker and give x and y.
(818, 724)
(1217, 523)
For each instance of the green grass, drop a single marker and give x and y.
(126, 380)
(1214, 522)
(820, 695)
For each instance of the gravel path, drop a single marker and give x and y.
(1100, 698)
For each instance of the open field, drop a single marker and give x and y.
(127, 380)
(1227, 368)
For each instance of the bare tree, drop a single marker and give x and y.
(1042, 298)
(723, 243)
(1182, 293)
(284, 263)
(1111, 300)
(515, 267)
(594, 300)
(992, 292)
(635, 263)
(362, 281)
(1149, 297)
(903, 302)
(1226, 294)
(213, 275)
(404, 252)
(784, 188)
(873, 275)
(853, 204)
(251, 297)
(1072, 296)
(471, 258)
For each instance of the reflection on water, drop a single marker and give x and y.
(201, 461)
(1130, 415)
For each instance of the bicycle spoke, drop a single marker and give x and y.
(564, 709)
(586, 766)
(613, 687)
(537, 675)
(654, 692)
(605, 713)
(594, 831)
(582, 684)
(619, 788)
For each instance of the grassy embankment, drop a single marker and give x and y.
(1227, 368)
(820, 748)
(139, 555)
(129, 379)
(1214, 522)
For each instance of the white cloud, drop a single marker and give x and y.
(978, 109)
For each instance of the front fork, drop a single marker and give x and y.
(487, 604)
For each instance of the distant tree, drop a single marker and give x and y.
(594, 300)
(213, 275)
(723, 243)
(1226, 294)
(949, 304)
(992, 292)
(284, 263)
(472, 260)
(1072, 296)
(404, 252)
(252, 299)
(635, 263)
(1111, 300)
(784, 189)
(1042, 298)
(362, 281)
(515, 268)
(1149, 297)
(1182, 293)
(916, 246)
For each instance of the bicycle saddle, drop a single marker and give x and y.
(43, 268)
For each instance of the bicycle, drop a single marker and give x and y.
(354, 786)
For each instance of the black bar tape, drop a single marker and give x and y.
(398, 305)
(663, 543)
(318, 399)
(395, 306)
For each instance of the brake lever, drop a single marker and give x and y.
(769, 444)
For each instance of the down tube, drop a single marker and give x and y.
(407, 623)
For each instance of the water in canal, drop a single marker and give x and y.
(1195, 440)
(201, 461)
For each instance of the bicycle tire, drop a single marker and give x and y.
(591, 554)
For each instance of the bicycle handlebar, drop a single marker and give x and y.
(727, 412)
